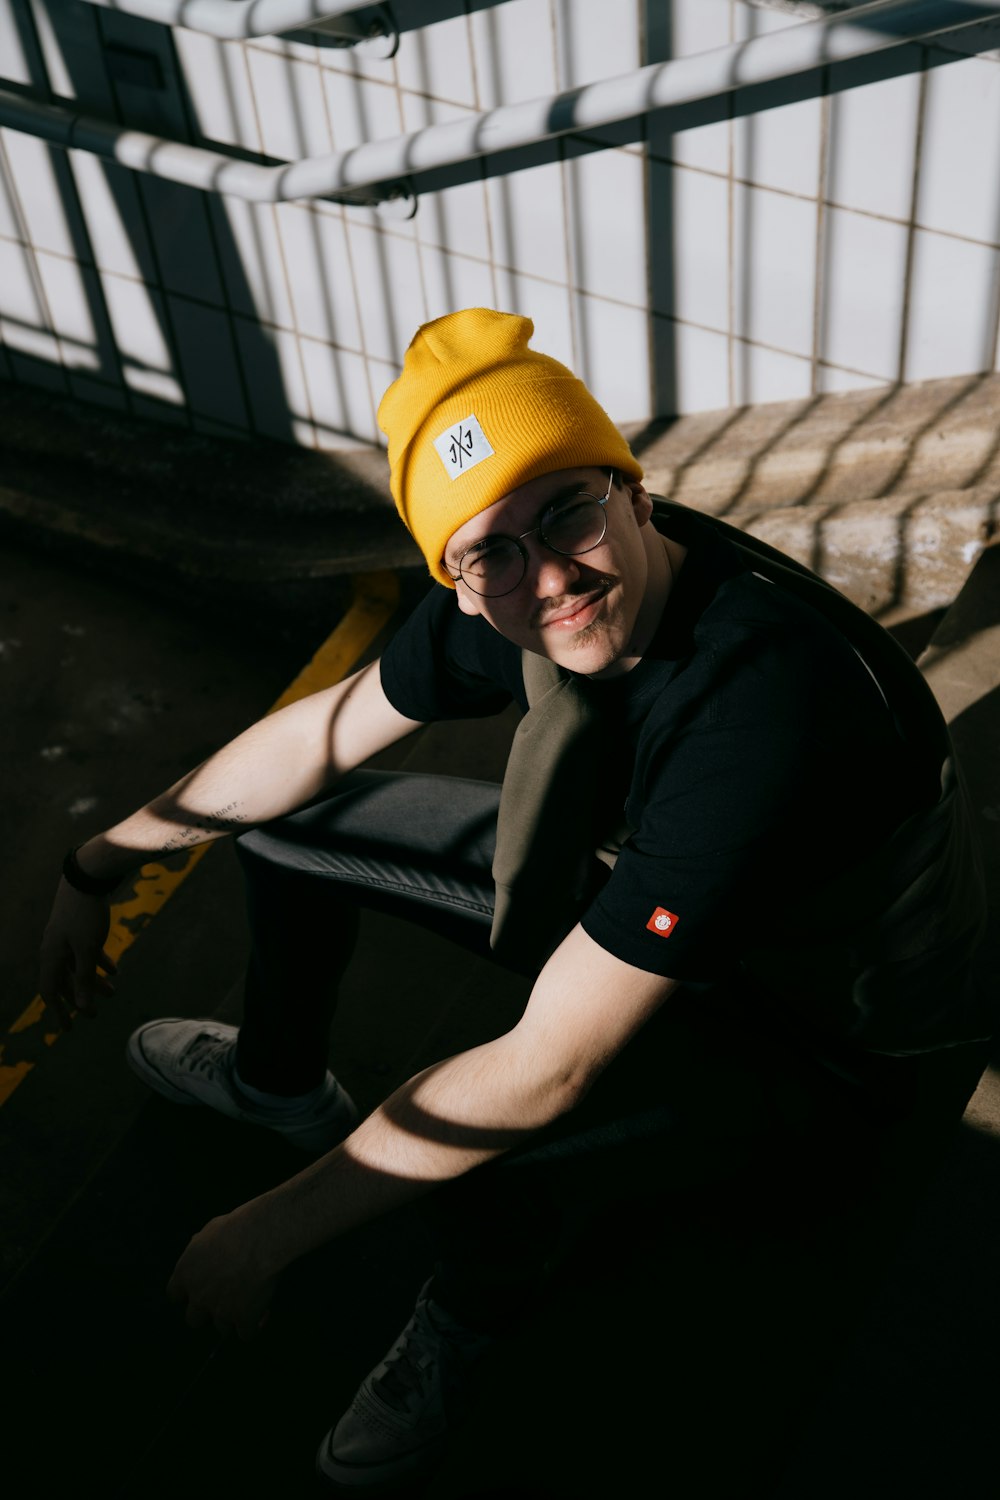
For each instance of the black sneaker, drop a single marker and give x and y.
(397, 1425)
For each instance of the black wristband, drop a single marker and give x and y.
(87, 885)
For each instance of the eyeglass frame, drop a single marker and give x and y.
(518, 542)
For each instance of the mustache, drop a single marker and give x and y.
(599, 584)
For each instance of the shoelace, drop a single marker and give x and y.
(406, 1377)
(206, 1054)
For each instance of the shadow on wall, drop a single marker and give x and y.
(192, 283)
(151, 217)
(890, 494)
(167, 223)
(161, 316)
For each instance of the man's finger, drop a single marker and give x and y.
(51, 984)
(55, 988)
(84, 998)
(84, 974)
(62, 1014)
(107, 962)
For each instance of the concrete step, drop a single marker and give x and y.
(173, 507)
(935, 436)
(889, 494)
(901, 551)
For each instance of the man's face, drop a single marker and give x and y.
(593, 613)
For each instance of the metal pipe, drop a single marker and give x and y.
(367, 169)
(234, 20)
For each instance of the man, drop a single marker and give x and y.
(722, 830)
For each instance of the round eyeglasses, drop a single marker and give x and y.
(570, 526)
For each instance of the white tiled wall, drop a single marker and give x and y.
(753, 248)
(953, 305)
(436, 60)
(513, 51)
(76, 315)
(761, 374)
(225, 106)
(207, 361)
(315, 249)
(702, 365)
(607, 249)
(864, 283)
(114, 222)
(774, 268)
(252, 259)
(779, 147)
(47, 204)
(138, 321)
(588, 48)
(25, 319)
(458, 219)
(871, 147)
(700, 207)
(275, 381)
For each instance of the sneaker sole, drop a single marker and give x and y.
(377, 1479)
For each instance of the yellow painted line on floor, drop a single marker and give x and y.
(374, 600)
(376, 596)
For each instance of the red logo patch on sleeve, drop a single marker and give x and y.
(662, 922)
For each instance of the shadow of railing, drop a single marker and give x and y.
(161, 226)
(890, 495)
(795, 456)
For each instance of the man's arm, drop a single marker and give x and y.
(584, 1007)
(275, 766)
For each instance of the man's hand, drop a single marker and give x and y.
(221, 1279)
(73, 954)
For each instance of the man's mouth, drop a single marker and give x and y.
(576, 613)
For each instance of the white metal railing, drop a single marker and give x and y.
(375, 170)
(238, 20)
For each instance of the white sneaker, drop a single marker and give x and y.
(397, 1425)
(191, 1062)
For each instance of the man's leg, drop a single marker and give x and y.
(419, 847)
(687, 1102)
(410, 845)
(643, 1127)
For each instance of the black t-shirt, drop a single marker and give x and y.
(757, 756)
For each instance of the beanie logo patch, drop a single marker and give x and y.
(463, 446)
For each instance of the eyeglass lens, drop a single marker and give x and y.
(570, 529)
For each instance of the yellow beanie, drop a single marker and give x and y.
(475, 414)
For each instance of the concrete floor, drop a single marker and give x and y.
(781, 1332)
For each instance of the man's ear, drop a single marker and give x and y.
(642, 505)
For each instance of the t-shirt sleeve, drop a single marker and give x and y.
(729, 810)
(442, 664)
(679, 900)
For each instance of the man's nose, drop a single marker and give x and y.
(551, 573)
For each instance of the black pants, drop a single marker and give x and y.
(704, 1083)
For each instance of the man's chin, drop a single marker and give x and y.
(587, 652)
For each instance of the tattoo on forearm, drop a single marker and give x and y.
(223, 820)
